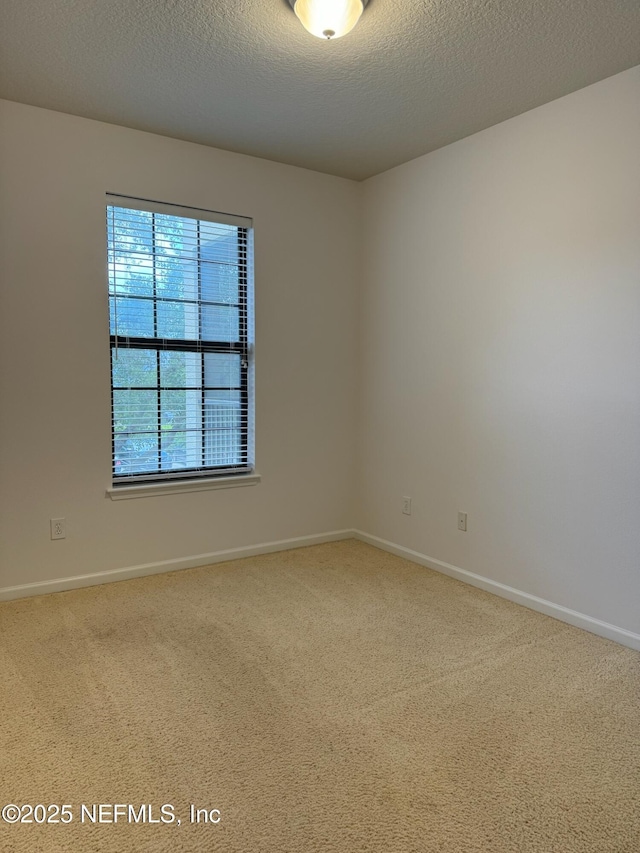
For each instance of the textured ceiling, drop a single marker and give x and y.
(244, 75)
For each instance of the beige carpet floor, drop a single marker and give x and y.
(333, 698)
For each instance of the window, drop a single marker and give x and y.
(180, 305)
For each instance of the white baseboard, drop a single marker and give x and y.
(557, 611)
(78, 581)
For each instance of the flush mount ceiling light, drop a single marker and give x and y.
(328, 19)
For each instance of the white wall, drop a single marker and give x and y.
(55, 440)
(498, 320)
(501, 352)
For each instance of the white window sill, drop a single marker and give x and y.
(152, 490)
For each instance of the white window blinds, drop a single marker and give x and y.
(180, 296)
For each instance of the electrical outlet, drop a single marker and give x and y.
(58, 530)
(406, 506)
(462, 521)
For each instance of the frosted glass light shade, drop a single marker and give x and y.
(328, 19)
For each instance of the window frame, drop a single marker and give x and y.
(137, 484)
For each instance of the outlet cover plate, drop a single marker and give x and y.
(58, 530)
